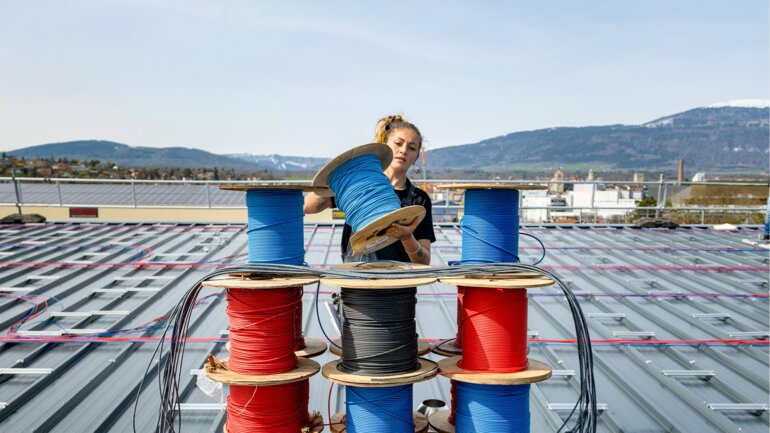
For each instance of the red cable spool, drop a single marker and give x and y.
(494, 330)
(262, 330)
(459, 338)
(264, 409)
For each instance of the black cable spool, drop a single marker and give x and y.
(379, 332)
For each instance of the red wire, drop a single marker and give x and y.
(299, 339)
(494, 330)
(264, 409)
(262, 334)
(303, 396)
(459, 338)
(453, 394)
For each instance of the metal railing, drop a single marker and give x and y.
(128, 193)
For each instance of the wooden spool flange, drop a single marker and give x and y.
(446, 348)
(440, 422)
(427, 370)
(243, 282)
(322, 191)
(217, 371)
(537, 371)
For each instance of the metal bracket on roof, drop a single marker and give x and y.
(703, 374)
(16, 289)
(567, 374)
(720, 316)
(146, 277)
(561, 407)
(90, 313)
(759, 335)
(616, 316)
(26, 371)
(757, 408)
(202, 407)
(645, 335)
(130, 289)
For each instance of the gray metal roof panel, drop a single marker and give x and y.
(91, 387)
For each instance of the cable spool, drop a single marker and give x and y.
(492, 321)
(366, 196)
(379, 352)
(492, 408)
(275, 226)
(490, 226)
(385, 410)
(494, 329)
(262, 409)
(262, 331)
(379, 333)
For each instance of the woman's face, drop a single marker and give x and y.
(405, 144)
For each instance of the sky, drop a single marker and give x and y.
(311, 78)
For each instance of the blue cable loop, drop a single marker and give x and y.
(275, 233)
(363, 191)
(541, 244)
(492, 408)
(379, 410)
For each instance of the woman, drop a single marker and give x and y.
(405, 140)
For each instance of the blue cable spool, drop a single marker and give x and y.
(379, 410)
(362, 191)
(490, 226)
(492, 408)
(275, 230)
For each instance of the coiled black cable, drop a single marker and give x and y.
(379, 333)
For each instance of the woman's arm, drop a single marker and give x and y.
(314, 203)
(418, 250)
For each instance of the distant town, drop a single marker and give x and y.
(71, 168)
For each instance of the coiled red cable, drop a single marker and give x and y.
(299, 339)
(264, 409)
(303, 396)
(459, 338)
(494, 330)
(453, 395)
(262, 330)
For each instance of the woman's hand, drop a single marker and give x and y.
(314, 203)
(402, 232)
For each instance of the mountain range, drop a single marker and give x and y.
(724, 137)
(721, 137)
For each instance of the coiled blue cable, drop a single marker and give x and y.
(490, 226)
(275, 232)
(492, 408)
(379, 410)
(363, 191)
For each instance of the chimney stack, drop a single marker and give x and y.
(680, 177)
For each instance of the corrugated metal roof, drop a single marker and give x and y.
(674, 298)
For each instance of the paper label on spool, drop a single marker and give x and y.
(208, 386)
